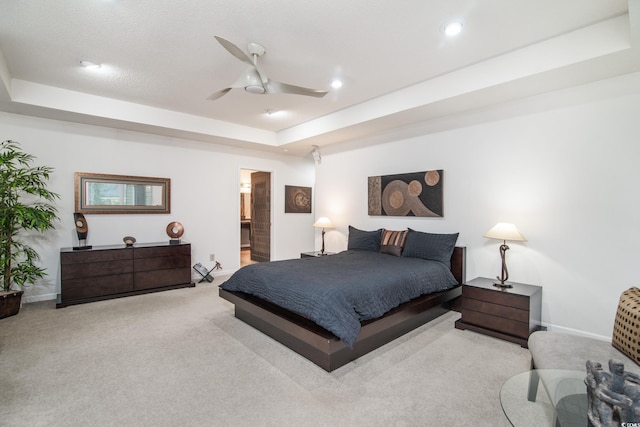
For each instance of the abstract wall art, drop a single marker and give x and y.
(297, 199)
(408, 194)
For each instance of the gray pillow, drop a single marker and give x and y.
(437, 247)
(364, 240)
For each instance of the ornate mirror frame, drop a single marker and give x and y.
(121, 194)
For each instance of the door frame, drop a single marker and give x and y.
(271, 210)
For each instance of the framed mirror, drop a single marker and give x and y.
(121, 194)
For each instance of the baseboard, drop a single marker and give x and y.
(38, 298)
(570, 331)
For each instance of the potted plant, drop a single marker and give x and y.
(25, 204)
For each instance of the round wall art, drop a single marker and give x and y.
(409, 194)
(297, 199)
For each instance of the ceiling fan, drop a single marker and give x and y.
(254, 80)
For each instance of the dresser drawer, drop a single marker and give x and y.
(160, 278)
(496, 297)
(500, 324)
(496, 310)
(95, 269)
(80, 288)
(91, 256)
(162, 251)
(162, 262)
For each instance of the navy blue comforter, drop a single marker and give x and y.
(338, 291)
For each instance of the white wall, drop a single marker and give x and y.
(205, 191)
(567, 177)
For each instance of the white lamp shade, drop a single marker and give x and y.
(323, 222)
(505, 231)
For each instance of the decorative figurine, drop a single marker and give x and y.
(82, 228)
(175, 230)
(129, 240)
(613, 397)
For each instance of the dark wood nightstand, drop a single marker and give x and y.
(314, 254)
(511, 314)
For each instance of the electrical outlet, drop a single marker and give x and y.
(212, 257)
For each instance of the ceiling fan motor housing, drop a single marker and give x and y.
(253, 83)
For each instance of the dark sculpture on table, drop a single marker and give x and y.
(82, 228)
(613, 397)
(129, 241)
(175, 230)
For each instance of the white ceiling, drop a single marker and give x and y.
(160, 62)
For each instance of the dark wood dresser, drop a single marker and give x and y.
(511, 314)
(106, 272)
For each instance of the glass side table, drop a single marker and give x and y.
(561, 400)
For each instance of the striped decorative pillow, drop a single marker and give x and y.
(392, 242)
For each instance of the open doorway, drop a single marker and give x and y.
(255, 216)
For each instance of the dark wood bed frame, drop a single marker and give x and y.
(325, 349)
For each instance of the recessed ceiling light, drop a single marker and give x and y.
(90, 65)
(453, 28)
(336, 83)
(273, 114)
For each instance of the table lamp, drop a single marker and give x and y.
(504, 231)
(323, 222)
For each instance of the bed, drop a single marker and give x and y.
(336, 308)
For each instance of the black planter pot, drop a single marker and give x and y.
(10, 303)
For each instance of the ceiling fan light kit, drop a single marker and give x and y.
(453, 28)
(90, 65)
(257, 89)
(254, 80)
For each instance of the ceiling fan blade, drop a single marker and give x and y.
(238, 53)
(234, 50)
(219, 94)
(278, 87)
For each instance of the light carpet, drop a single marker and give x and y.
(180, 358)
